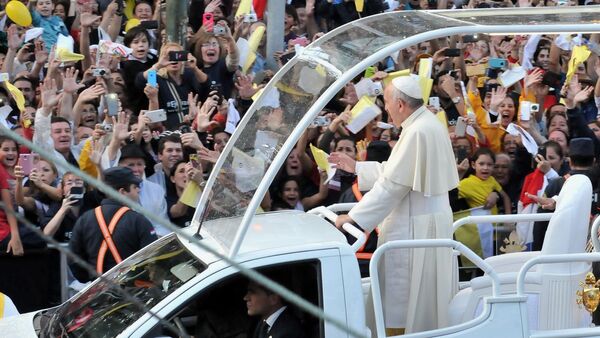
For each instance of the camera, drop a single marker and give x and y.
(99, 72)
(526, 108)
(185, 129)
(250, 18)
(219, 30)
(108, 128)
(76, 193)
(321, 121)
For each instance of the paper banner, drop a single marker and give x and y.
(257, 35)
(191, 194)
(578, 56)
(426, 85)
(245, 7)
(17, 95)
(425, 67)
(425, 81)
(362, 113)
(33, 33)
(528, 141)
(393, 75)
(512, 76)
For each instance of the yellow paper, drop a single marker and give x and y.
(359, 4)
(249, 61)
(441, 115)
(17, 95)
(64, 55)
(321, 158)
(244, 8)
(361, 105)
(255, 38)
(255, 96)
(578, 56)
(425, 66)
(393, 75)
(191, 194)
(426, 85)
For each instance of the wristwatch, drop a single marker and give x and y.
(456, 100)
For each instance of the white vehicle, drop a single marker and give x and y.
(185, 280)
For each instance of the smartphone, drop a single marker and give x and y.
(454, 74)
(321, 121)
(185, 129)
(216, 87)
(152, 78)
(99, 72)
(177, 56)
(26, 162)
(195, 161)
(149, 24)
(492, 73)
(76, 193)
(551, 79)
(461, 154)
(461, 127)
(112, 104)
(158, 115)
(452, 52)
(542, 151)
(434, 101)
(208, 21)
(497, 63)
(469, 38)
(287, 57)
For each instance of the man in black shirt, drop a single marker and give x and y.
(131, 231)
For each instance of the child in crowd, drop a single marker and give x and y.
(482, 190)
(52, 24)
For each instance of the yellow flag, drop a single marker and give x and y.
(578, 56)
(64, 55)
(249, 61)
(441, 115)
(244, 8)
(393, 75)
(191, 194)
(255, 96)
(426, 85)
(321, 158)
(359, 4)
(17, 95)
(255, 38)
(128, 10)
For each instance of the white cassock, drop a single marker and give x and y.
(409, 193)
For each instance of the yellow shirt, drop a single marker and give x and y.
(475, 190)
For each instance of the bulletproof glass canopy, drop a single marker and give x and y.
(267, 133)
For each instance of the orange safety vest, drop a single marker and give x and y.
(107, 232)
(360, 254)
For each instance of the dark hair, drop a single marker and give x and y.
(552, 116)
(581, 161)
(554, 145)
(169, 138)
(174, 168)
(140, 2)
(59, 119)
(133, 33)
(538, 51)
(25, 78)
(4, 138)
(345, 138)
(282, 186)
(483, 151)
(291, 11)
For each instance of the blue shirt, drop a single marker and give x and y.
(52, 25)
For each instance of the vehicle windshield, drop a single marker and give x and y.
(149, 276)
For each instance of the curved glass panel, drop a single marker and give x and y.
(293, 92)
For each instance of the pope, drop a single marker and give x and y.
(408, 196)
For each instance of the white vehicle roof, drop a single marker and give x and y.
(268, 233)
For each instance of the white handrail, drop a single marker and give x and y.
(594, 234)
(545, 259)
(341, 207)
(420, 243)
(501, 219)
(360, 236)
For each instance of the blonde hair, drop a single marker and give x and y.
(164, 53)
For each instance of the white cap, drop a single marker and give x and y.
(409, 85)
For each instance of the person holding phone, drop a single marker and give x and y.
(39, 191)
(182, 174)
(177, 76)
(139, 61)
(218, 56)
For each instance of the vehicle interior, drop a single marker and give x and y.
(220, 311)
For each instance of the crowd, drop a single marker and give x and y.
(100, 86)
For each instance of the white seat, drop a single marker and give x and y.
(551, 287)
